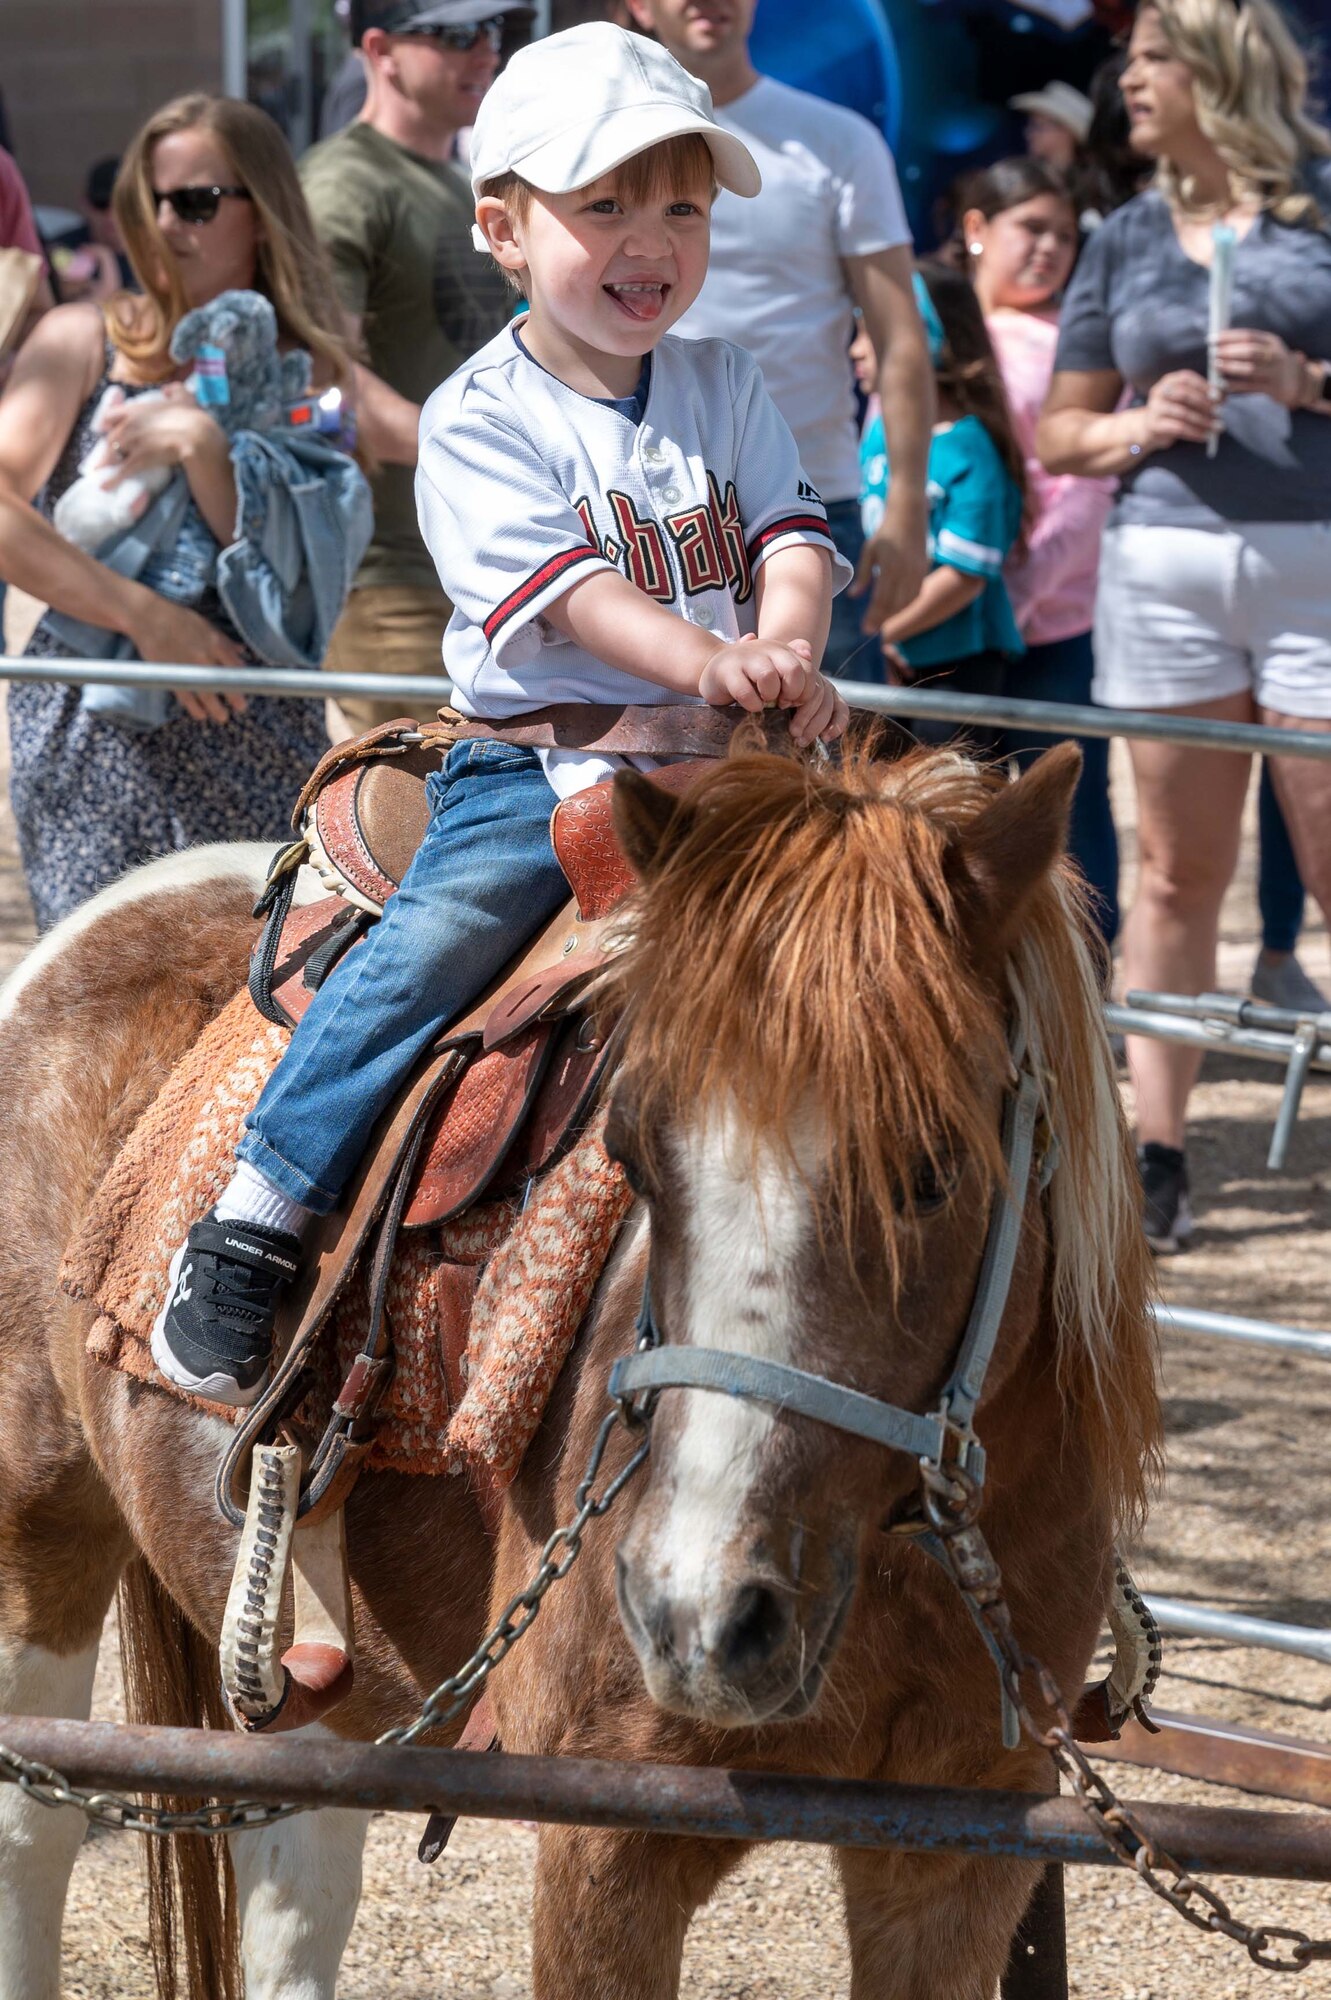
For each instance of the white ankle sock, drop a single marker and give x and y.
(252, 1197)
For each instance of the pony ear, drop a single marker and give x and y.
(648, 820)
(995, 864)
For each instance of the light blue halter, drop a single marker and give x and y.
(950, 1455)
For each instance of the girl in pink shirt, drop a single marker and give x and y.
(1019, 229)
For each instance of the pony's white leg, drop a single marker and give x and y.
(37, 1843)
(297, 1887)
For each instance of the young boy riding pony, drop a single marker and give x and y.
(618, 517)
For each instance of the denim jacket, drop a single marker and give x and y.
(303, 521)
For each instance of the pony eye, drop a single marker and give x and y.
(933, 1184)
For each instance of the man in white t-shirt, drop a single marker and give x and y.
(827, 235)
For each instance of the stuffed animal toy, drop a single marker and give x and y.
(238, 377)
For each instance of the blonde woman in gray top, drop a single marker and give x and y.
(1213, 596)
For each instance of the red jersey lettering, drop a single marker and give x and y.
(730, 535)
(695, 537)
(648, 565)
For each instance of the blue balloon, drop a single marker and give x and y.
(840, 49)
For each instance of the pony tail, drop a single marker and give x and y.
(170, 1675)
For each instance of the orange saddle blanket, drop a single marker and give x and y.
(502, 1288)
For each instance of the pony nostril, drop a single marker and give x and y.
(667, 1629)
(636, 1624)
(759, 1624)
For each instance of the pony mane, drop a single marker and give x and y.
(798, 944)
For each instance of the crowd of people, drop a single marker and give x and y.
(1041, 473)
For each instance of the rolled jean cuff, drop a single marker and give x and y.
(292, 1182)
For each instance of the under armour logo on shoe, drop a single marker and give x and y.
(184, 1289)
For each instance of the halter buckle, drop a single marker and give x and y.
(637, 1410)
(952, 1480)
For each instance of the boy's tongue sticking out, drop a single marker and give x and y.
(643, 299)
(595, 159)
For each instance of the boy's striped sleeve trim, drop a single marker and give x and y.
(791, 524)
(538, 582)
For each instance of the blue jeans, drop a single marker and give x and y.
(483, 880)
(849, 652)
(1061, 671)
(1279, 883)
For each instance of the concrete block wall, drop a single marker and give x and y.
(79, 76)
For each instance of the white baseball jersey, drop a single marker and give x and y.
(524, 487)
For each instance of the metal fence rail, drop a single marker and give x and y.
(1051, 718)
(1301, 1044)
(1059, 718)
(288, 681)
(1266, 1333)
(1263, 1044)
(655, 1798)
(1202, 1621)
(1234, 1628)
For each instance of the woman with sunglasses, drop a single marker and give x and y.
(1213, 594)
(207, 200)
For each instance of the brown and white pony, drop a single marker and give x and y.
(817, 982)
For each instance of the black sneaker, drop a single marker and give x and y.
(214, 1335)
(1166, 1215)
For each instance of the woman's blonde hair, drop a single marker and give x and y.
(1250, 83)
(291, 269)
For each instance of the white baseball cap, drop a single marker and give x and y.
(573, 106)
(1060, 102)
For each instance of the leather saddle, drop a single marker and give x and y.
(504, 1090)
(533, 1061)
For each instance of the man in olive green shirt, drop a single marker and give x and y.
(395, 215)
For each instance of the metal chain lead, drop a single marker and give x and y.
(48, 1788)
(557, 1559)
(950, 1504)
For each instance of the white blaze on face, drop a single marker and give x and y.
(747, 1223)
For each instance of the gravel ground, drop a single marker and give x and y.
(1243, 1524)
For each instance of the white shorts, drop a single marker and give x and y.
(1192, 614)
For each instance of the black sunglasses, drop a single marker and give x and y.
(462, 37)
(197, 205)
